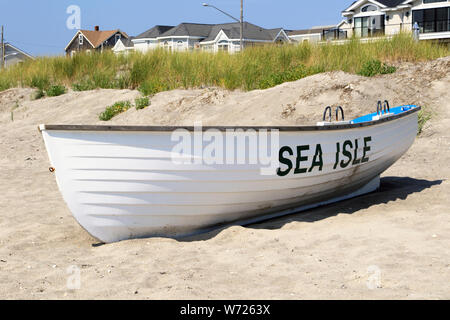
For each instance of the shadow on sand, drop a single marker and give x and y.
(391, 189)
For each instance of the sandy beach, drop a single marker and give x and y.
(391, 244)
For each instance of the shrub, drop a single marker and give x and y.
(114, 110)
(141, 103)
(424, 116)
(373, 67)
(56, 90)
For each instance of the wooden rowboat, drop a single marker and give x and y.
(123, 182)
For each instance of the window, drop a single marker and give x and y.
(432, 1)
(369, 26)
(80, 39)
(118, 37)
(432, 20)
(223, 45)
(369, 8)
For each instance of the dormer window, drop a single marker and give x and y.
(369, 8)
(80, 39)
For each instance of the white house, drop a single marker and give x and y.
(206, 37)
(13, 55)
(319, 33)
(124, 45)
(226, 37)
(366, 18)
(149, 39)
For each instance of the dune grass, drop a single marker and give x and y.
(256, 68)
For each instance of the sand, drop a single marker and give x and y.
(392, 244)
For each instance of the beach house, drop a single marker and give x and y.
(13, 55)
(319, 33)
(94, 40)
(205, 37)
(368, 18)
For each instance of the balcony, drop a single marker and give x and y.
(434, 26)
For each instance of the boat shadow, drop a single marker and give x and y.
(391, 189)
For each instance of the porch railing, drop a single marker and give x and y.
(434, 26)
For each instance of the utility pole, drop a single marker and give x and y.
(3, 50)
(242, 25)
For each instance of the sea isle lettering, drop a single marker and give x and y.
(346, 154)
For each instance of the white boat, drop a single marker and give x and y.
(123, 182)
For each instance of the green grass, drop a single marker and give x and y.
(55, 90)
(373, 67)
(256, 68)
(424, 116)
(141, 103)
(117, 108)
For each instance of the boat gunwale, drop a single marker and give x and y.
(142, 128)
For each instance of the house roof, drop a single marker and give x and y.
(250, 31)
(385, 3)
(96, 38)
(127, 42)
(9, 48)
(391, 3)
(209, 32)
(154, 32)
(189, 29)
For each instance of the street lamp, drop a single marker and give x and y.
(241, 21)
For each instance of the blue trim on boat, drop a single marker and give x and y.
(393, 111)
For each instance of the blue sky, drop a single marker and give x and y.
(39, 27)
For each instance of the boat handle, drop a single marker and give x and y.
(337, 113)
(325, 113)
(386, 107)
(379, 108)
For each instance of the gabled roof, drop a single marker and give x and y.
(127, 42)
(189, 29)
(96, 38)
(250, 31)
(391, 3)
(9, 48)
(383, 3)
(154, 32)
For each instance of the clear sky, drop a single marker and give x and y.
(39, 26)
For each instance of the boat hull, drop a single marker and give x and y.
(123, 184)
